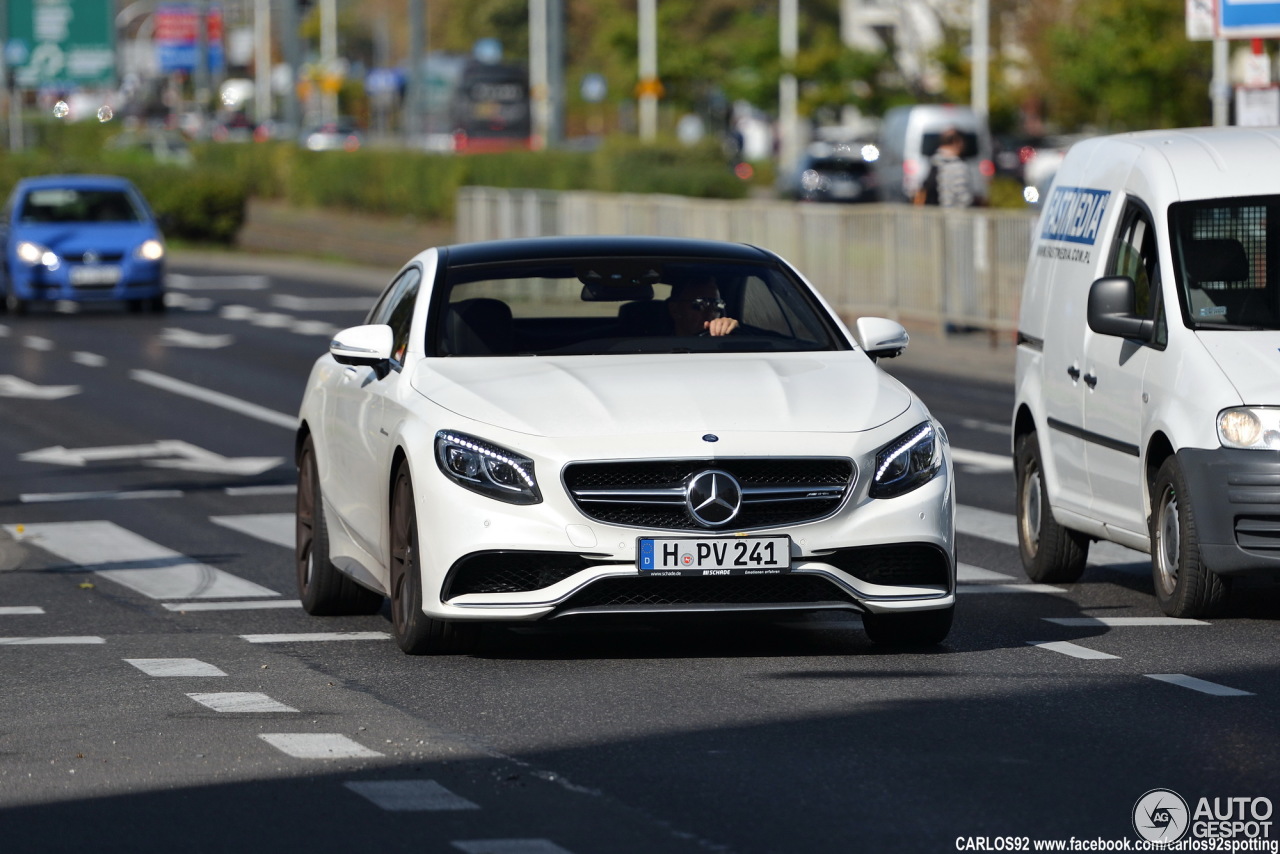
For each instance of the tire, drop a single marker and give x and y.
(1184, 586)
(324, 591)
(1051, 554)
(914, 629)
(416, 633)
(15, 305)
(155, 304)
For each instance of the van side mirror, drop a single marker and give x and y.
(1111, 309)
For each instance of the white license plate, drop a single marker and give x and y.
(714, 556)
(94, 275)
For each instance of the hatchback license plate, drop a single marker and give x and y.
(714, 556)
(94, 275)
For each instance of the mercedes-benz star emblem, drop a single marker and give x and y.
(714, 497)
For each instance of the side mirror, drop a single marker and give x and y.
(1110, 309)
(880, 337)
(363, 345)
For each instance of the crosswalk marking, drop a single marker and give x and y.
(145, 567)
(323, 745)
(309, 637)
(508, 846)
(240, 702)
(1071, 649)
(1121, 622)
(169, 667)
(1203, 686)
(16, 610)
(275, 528)
(81, 639)
(409, 795)
(253, 605)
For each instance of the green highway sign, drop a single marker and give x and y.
(61, 43)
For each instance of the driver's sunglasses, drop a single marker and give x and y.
(702, 304)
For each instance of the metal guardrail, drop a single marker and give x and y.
(949, 268)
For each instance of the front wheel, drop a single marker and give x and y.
(1050, 553)
(917, 628)
(414, 631)
(1184, 586)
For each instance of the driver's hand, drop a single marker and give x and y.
(720, 326)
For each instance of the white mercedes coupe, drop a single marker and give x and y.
(547, 428)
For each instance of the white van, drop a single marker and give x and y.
(1148, 364)
(910, 135)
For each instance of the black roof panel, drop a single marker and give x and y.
(547, 248)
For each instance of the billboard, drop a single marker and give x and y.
(177, 37)
(1248, 19)
(67, 43)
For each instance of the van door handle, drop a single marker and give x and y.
(1074, 373)
(1090, 380)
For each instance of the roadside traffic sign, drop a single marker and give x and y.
(1248, 19)
(61, 43)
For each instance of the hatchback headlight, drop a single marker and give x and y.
(909, 461)
(1253, 427)
(487, 468)
(150, 250)
(37, 255)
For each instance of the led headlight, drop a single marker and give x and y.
(150, 250)
(486, 468)
(909, 461)
(37, 255)
(1253, 427)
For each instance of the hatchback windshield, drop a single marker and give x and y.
(1221, 249)
(68, 205)
(621, 305)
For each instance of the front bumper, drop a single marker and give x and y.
(1235, 500)
(123, 279)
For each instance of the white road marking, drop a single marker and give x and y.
(296, 303)
(255, 605)
(167, 667)
(54, 640)
(1201, 685)
(90, 360)
(1027, 587)
(15, 610)
(409, 795)
(1071, 649)
(216, 398)
(985, 426)
(4, 331)
(314, 327)
(982, 461)
(266, 489)
(330, 745)
(183, 282)
(174, 299)
(1121, 622)
(241, 702)
(141, 565)
(309, 637)
(11, 386)
(35, 342)
(276, 528)
(166, 453)
(174, 337)
(51, 497)
(968, 573)
(508, 846)
(272, 320)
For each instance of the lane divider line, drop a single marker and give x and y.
(215, 398)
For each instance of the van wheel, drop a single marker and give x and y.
(1050, 553)
(1184, 586)
(919, 628)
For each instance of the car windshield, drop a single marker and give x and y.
(1220, 252)
(619, 305)
(69, 205)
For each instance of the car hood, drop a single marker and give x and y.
(635, 394)
(1250, 361)
(76, 238)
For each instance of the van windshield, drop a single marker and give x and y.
(1221, 249)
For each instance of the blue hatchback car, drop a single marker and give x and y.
(82, 238)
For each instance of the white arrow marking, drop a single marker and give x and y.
(173, 337)
(11, 386)
(91, 360)
(188, 457)
(35, 342)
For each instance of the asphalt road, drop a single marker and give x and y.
(162, 690)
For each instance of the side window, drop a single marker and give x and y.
(1135, 256)
(395, 309)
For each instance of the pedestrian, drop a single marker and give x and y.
(949, 183)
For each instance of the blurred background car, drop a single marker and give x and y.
(834, 173)
(340, 135)
(84, 238)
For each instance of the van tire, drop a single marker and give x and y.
(1184, 585)
(1051, 554)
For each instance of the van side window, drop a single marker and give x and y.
(1135, 256)
(1220, 251)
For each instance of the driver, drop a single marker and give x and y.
(696, 308)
